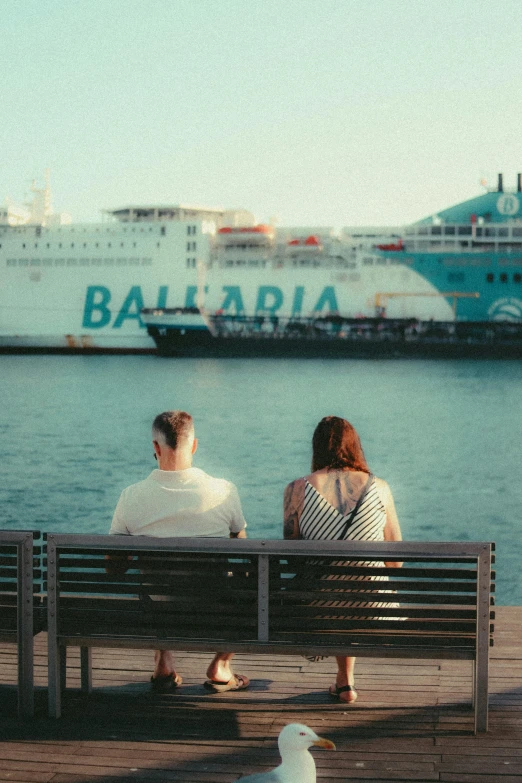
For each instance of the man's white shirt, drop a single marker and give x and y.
(177, 503)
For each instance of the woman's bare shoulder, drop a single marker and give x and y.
(295, 486)
(383, 488)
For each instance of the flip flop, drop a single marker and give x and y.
(236, 683)
(335, 691)
(166, 683)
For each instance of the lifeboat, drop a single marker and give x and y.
(393, 247)
(312, 241)
(260, 229)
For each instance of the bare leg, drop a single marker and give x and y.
(345, 676)
(163, 663)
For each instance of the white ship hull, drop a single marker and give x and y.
(84, 286)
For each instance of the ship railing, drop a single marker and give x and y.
(382, 329)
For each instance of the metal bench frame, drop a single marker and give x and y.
(477, 554)
(23, 637)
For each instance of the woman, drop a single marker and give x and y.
(340, 499)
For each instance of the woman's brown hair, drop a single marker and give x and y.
(336, 446)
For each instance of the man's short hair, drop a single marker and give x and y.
(172, 426)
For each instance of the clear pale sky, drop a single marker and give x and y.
(335, 112)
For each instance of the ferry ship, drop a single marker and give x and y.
(83, 287)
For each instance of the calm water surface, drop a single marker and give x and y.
(447, 436)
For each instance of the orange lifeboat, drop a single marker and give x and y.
(393, 247)
(260, 229)
(311, 241)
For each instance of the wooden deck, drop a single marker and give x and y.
(412, 722)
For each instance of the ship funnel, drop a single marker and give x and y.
(519, 183)
(500, 184)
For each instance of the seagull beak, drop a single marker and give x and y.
(324, 743)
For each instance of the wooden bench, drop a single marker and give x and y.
(278, 597)
(21, 610)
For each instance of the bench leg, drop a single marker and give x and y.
(62, 658)
(86, 669)
(480, 694)
(473, 680)
(54, 678)
(25, 676)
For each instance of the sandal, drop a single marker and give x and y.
(335, 691)
(236, 683)
(165, 683)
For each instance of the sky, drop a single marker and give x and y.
(327, 113)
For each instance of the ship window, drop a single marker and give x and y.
(23, 244)
(503, 232)
(85, 244)
(188, 246)
(490, 277)
(517, 277)
(503, 278)
(490, 232)
(109, 244)
(163, 229)
(464, 231)
(59, 244)
(422, 230)
(121, 244)
(97, 244)
(367, 261)
(36, 244)
(478, 231)
(48, 244)
(436, 230)
(517, 232)
(449, 230)
(134, 244)
(157, 244)
(72, 244)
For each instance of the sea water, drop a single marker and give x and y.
(446, 435)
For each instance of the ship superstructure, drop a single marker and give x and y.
(67, 285)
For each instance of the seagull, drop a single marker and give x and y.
(297, 764)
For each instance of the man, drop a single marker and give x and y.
(178, 500)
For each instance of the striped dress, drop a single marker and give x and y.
(320, 520)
